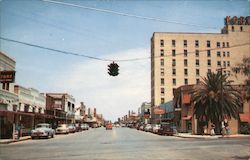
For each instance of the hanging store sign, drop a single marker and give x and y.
(7, 76)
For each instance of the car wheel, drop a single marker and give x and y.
(32, 137)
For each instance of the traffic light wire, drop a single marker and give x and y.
(112, 60)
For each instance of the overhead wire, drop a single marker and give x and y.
(125, 14)
(104, 59)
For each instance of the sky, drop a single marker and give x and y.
(83, 27)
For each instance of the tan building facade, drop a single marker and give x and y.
(183, 58)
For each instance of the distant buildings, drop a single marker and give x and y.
(22, 108)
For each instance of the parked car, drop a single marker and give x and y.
(42, 130)
(156, 128)
(142, 126)
(78, 127)
(85, 126)
(72, 128)
(62, 129)
(109, 126)
(166, 129)
(147, 128)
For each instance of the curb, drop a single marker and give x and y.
(197, 137)
(13, 141)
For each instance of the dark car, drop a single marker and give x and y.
(166, 129)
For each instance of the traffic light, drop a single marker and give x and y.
(113, 69)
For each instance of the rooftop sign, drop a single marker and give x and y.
(237, 20)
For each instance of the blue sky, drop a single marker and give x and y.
(102, 35)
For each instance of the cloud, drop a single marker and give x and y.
(89, 82)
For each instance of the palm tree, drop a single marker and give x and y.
(214, 99)
(244, 69)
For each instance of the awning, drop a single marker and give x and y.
(245, 117)
(186, 118)
(186, 99)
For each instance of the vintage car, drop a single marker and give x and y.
(72, 128)
(43, 130)
(85, 126)
(62, 129)
(109, 126)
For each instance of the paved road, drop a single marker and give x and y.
(125, 144)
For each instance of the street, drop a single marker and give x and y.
(124, 144)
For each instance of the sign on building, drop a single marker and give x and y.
(7, 76)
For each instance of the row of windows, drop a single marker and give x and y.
(197, 71)
(196, 43)
(197, 63)
(197, 53)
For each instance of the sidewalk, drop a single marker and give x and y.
(7, 141)
(189, 135)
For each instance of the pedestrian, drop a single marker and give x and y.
(212, 133)
(205, 130)
(223, 129)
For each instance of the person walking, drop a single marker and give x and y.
(223, 129)
(212, 132)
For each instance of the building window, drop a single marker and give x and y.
(197, 81)
(162, 43)
(197, 62)
(162, 62)
(162, 71)
(14, 108)
(228, 73)
(33, 109)
(186, 81)
(232, 28)
(185, 62)
(174, 82)
(209, 62)
(162, 91)
(208, 44)
(162, 100)
(219, 63)
(185, 53)
(228, 44)
(26, 108)
(173, 43)
(173, 62)
(197, 72)
(162, 52)
(185, 43)
(223, 45)
(197, 53)
(224, 63)
(218, 54)
(218, 44)
(173, 53)
(174, 72)
(228, 63)
(196, 43)
(186, 72)
(162, 81)
(228, 54)
(40, 110)
(241, 28)
(224, 54)
(208, 53)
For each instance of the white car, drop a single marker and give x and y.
(148, 127)
(62, 129)
(156, 128)
(43, 130)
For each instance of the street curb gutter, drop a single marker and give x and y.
(13, 141)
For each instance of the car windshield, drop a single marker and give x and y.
(62, 125)
(42, 126)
